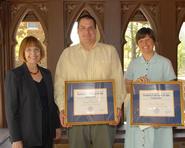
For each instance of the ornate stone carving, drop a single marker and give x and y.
(16, 8)
(98, 7)
(153, 8)
(180, 15)
(126, 7)
(70, 7)
(43, 8)
(69, 10)
(180, 9)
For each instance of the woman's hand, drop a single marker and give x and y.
(17, 144)
(58, 134)
(142, 79)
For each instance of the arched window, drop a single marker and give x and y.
(181, 54)
(130, 48)
(74, 31)
(74, 34)
(30, 25)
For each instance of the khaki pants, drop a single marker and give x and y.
(100, 136)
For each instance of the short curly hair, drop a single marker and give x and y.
(143, 32)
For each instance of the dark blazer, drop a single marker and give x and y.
(23, 106)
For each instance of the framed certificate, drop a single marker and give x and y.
(90, 102)
(157, 103)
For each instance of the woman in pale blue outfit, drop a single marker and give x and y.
(148, 67)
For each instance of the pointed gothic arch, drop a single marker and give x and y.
(140, 13)
(181, 19)
(180, 44)
(21, 15)
(149, 11)
(17, 17)
(77, 12)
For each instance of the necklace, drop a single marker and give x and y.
(34, 73)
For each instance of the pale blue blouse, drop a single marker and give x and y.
(158, 68)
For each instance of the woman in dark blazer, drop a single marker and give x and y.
(31, 113)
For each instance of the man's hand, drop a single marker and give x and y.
(118, 119)
(62, 119)
(119, 116)
(17, 144)
(128, 85)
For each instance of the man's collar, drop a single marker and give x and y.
(95, 45)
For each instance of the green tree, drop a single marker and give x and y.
(130, 48)
(181, 59)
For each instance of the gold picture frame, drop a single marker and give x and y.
(90, 102)
(157, 104)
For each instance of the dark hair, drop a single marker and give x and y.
(86, 16)
(141, 33)
(27, 42)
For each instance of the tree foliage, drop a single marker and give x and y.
(130, 49)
